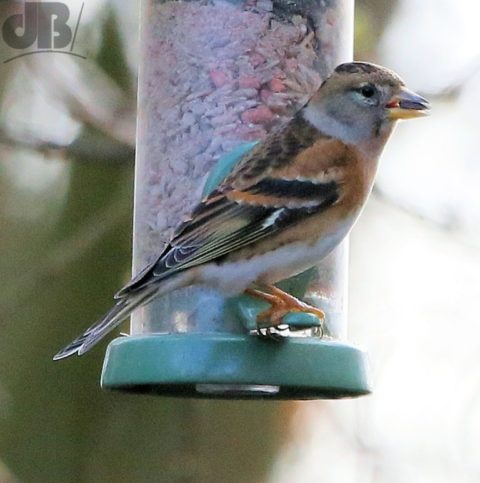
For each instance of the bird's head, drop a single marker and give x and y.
(360, 101)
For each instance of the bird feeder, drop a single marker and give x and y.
(215, 78)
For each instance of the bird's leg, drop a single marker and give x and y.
(281, 304)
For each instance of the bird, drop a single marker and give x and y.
(288, 202)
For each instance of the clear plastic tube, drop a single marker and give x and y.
(215, 75)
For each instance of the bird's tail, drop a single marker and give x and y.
(115, 316)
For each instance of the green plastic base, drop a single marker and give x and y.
(235, 367)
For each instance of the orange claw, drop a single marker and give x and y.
(281, 304)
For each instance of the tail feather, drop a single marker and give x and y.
(114, 317)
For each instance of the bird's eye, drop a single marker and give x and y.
(367, 91)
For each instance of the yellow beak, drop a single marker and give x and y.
(407, 105)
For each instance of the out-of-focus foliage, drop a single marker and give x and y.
(371, 18)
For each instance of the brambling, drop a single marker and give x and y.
(287, 204)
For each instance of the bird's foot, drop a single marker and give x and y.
(270, 322)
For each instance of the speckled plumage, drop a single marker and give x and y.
(288, 202)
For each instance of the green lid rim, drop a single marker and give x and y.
(174, 364)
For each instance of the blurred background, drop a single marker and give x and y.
(67, 131)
